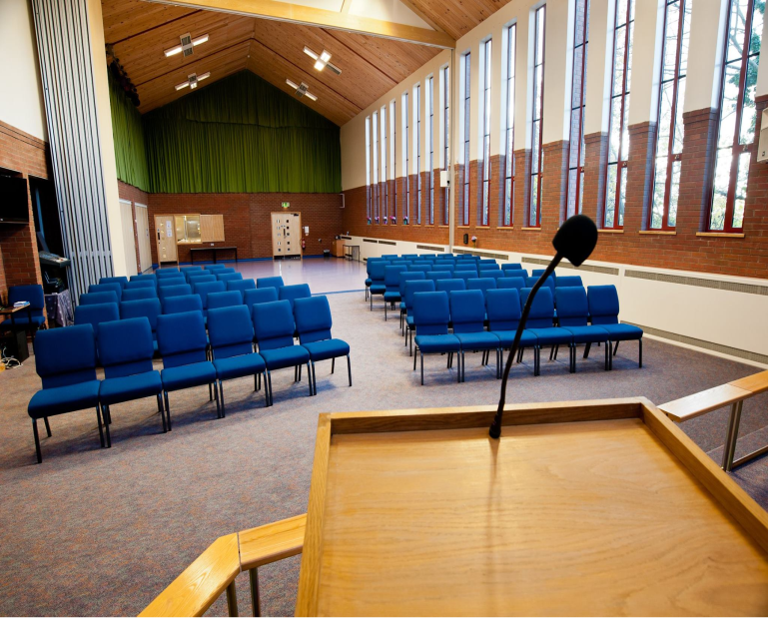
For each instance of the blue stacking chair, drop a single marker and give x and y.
(225, 270)
(451, 284)
(241, 285)
(504, 315)
(270, 282)
(516, 273)
(536, 273)
(150, 308)
(205, 288)
(228, 277)
(166, 271)
(215, 267)
(412, 287)
(143, 292)
(182, 303)
(106, 288)
(550, 282)
(183, 344)
(293, 292)
(314, 325)
(468, 312)
(431, 323)
(388, 256)
(224, 299)
(480, 284)
(403, 278)
(540, 323)
(96, 314)
(188, 271)
(107, 297)
(487, 262)
(424, 267)
(259, 296)
(126, 350)
(517, 283)
(491, 273)
(202, 277)
(392, 294)
(604, 306)
(232, 344)
(65, 360)
(572, 313)
(172, 281)
(410, 256)
(175, 290)
(510, 266)
(439, 275)
(368, 281)
(568, 281)
(122, 280)
(274, 329)
(377, 276)
(136, 284)
(144, 277)
(464, 274)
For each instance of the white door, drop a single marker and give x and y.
(166, 232)
(129, 241)
(143, 231)
(286, 234)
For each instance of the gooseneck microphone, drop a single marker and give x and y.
(575, 241)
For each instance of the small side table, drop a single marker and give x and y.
(23, 352)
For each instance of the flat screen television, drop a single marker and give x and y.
(14, 200)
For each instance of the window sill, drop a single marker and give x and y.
(464, 227)
(532, 228)
(721, 235)
(612, 231)
(483, 227)
(443, 226)
(658, 232)
(505, 228)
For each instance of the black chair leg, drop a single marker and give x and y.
(422, 368)
(333, 365)
(160, 404)
(414, 363)
(537, 361)
(640, 357)
(314, 387)
(168, 411)
(216, 397)
(221, 398)
(107, 415)
(617, 344)
(350, 374)
(310, 377)
(608, 347)
(299, 373)
(37, 439)
(99, 424)
(269, 386)
(267, 394)
(48, 426)
(210, 396)
(587, 349)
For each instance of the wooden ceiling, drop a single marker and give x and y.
(140, 31)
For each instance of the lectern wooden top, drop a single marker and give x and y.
(584, 508)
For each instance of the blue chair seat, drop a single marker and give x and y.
(588, 333)
(64, 399)
(477, 341)
(327, 349)
(22, 318)
(551, 335)
(392, 296)
(181, 377)
(239, 366)
(121, 389)
(285, 357)
(438, 344)
(528, 339)
(377, 289)
(622, 331)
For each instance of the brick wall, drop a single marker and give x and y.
(635, 245)
(247, 219)
(19, 262)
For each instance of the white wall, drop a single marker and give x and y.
(21, 93)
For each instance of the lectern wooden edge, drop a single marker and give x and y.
(734, 500)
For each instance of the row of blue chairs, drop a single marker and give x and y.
(470, 313)
(66, 358)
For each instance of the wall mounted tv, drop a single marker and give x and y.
(14, 200)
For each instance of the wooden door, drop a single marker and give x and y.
(287, 238)
(129, 241)
(165, 232)
(143, 232)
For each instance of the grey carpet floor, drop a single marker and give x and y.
(94, 532)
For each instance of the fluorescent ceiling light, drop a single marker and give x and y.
(173, 51)
(192, 80)
(301, 90)
(322, 60)
(200, 39)
(325, 56)
(319, 65)
(186, 45)
(311, 53)
(292, 84)
(311, 96)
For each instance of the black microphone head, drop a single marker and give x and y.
(576, 239)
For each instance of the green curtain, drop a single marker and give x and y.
(127, 133)
(241, 134)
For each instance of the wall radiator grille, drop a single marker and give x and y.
(724, 285)
(64, 49)
(434, 248)
(610, 271)
(483, 254)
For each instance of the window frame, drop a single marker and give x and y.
(465, 110)
(579, 167)
(384, 163)
(367, 149)
(430, 103)
(445, 133)
(375, 165)
(485, 128)
(405, 151)
(536, 169)
(392, 155)
(418, 147)
(509, 115)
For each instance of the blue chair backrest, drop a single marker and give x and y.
(603, 304)
(191, 269)
(228, 277)
(204, 288)
(392, 273)
(541, 312)
(33, 293)
(537, 272)
(171, 280)
(167, 271)
(438, 275)
(503, 309)
(122, 280)
(416, 286)
(408, 276)
(510, 266)
(431, 313)
(293, 292)
(241, 285)
(389, 256)
(421, 266)
(373, 261)
(105, 288)
(409, 255)
(451, 284)
(491, 273)
(517, 283)
(259, 296)
(516, 273)
(202, 277)
(271, 282)
(144, 277)
(464, 274)
(215, 267)
(314, 319)
(480, 284)
(491, 262)
(181, 339)
(183, 303)
(96, 314)
(467, 311)
(273, 324)
(377, 272)
(107, 297)
(568, 281)
(572, 306)
(444, 266)
(224, 299)
(231, 331)
(550, 282)
(135, 284)
(125, 347)
(143, 292)
(175, 290)
(149, 308)
(66, 356)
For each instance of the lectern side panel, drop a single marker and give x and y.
(473, 417)
(575, 519)
(724, 489)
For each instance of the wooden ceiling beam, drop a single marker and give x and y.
(293, 13)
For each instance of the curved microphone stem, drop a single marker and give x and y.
(496, 428)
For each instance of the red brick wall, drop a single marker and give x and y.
(741, 256)
(19, 262)
(247, 219)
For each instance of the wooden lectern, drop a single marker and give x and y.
(590, 508)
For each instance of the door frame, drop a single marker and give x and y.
(146, 208)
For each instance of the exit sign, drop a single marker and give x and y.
(284, 205)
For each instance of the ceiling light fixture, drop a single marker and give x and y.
(301, 90)
(186, 45)
(322, 60)
(192, 80)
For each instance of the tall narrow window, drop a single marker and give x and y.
(737, 114)
(536, 174)
(405, 151)
(486, 122)
(392, 158)
(375, 167)
(444, 84)
(418, 149)
(668, 146)
(617, 158)
(368, 139)
(577, 109)
(510, 91)
(465, 122)
(384, 159)
(431, 182)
